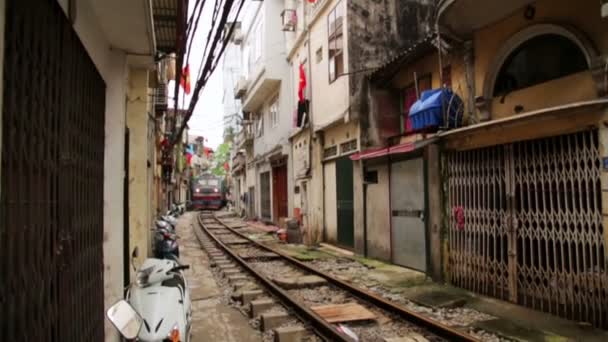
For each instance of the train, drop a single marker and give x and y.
(207, 192)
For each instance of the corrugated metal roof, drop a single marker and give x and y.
(385, 72)
(165, 14)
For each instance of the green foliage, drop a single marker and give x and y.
(221, 156)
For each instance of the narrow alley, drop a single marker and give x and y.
(303, 170)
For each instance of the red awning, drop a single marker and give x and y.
(403, 148)
(385, 151)
(369, 154)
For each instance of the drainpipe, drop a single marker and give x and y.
(2, 23)
(361, 166)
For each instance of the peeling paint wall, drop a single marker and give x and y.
(375, 35)
(139, 196)
(378, 214)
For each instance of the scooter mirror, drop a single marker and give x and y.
(125, 319)
(134, 256)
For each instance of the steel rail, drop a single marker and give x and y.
(319, 325)
(433, 326)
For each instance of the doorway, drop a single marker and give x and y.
(530, 228)
(265, 195)
(408, 230)
(344, 202)
(51, 204)
(279, 192)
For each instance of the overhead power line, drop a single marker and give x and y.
(217, 41)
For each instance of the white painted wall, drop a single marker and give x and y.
(231, 67)
(331, 210)
(330, 101)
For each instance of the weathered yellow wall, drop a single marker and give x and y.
(341, 133)
(583, 17)
(300, 146)
(572, 88)
(429, 65)
(359, 244)
(378, 215)
(137, 121)
(331, 211)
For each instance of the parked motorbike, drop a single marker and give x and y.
(165, 241)
(157, 307)
(172, 220)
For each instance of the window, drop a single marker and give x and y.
(348, 146)
(540, 59)
(447, 76)
(335, 42)
(330, 152)
(370, 177)
(319, 54)
(273, 112)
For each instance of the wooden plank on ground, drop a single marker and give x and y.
(335, 313)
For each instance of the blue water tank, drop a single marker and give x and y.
(428, 111)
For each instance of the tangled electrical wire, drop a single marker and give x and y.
(217, 41)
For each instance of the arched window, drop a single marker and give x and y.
(540, 59)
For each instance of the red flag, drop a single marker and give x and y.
(302, 85)
(226, 166)
(185, 80)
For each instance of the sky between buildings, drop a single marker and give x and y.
(207, 119)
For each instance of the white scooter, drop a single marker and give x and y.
(158, 306)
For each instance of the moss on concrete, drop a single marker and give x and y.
(516, 332)
(304, 253)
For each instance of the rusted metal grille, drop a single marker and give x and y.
(478, 248)
(532, 230)
(51, 201)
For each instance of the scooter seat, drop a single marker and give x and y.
(175, 281)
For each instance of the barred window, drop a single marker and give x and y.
(330, 152)
(348, 146)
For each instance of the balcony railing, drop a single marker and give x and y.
(245, 136)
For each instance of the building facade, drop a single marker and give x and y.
(264, 91)
(71, 228)
(506, 199)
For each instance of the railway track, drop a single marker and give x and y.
(283, 291)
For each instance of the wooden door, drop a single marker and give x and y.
(279, 192)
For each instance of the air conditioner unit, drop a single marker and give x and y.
(160, 99)
(162, 66)
(237, 37)
(290, 20)
(241, 87)
(237, 33)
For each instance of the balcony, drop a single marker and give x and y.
(462, 17)
(241, 87)
(238, 162)
(263, 85)
(245, 136)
